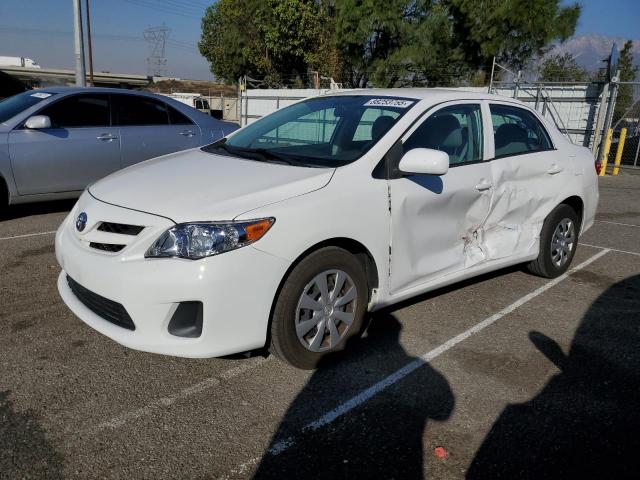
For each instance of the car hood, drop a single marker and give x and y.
(198, 186)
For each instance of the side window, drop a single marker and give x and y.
(517, 131)
(456, 130)
(177, 118)
(311, 129)
(79, 111)
(374, 123)
(133, 110)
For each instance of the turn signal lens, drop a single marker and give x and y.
(255, 231)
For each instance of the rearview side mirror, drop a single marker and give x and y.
(425, 161)
(38, 122)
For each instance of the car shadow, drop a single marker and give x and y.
(585, 421)
(25, 451)
(383, 437)
(13, 212)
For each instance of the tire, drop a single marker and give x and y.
(4, 198)
(301, 305)
(553, 262)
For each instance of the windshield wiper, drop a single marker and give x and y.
(258, 154)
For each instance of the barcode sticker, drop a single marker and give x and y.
(389, 102)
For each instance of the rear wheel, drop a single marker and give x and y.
(558, 243)
(320, 306)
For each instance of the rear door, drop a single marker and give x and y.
(150, 128)
(529, 178)
(80, 147)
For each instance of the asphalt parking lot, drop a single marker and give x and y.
(506, 376)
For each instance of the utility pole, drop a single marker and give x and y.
(78, 43)
(89, 46)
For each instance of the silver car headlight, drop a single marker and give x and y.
(198, 240)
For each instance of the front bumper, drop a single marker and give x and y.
(236, 288)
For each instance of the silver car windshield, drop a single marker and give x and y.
(322, 132)
(12, 106)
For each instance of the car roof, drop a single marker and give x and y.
(69, 90)
(434, 95)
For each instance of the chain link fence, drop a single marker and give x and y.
(624, 149)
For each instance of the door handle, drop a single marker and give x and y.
(106, 136)
(554, 169)
(484, 185)
(187, 133)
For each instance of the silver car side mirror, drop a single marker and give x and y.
(425, 161)
(38, 122)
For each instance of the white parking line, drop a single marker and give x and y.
(611, 249)
(286, 443)
(205, 384)
(28, 235)
(619, 223)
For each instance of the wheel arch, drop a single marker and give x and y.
(577, 204)
(360, 251)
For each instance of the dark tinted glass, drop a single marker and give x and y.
(517, 131)
(456, 130)
(79, 111)
(10, 107)
(133, 110)
(177, 118)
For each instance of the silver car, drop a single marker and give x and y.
(56, 141)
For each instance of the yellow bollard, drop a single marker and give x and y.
(605, 153)
(616, 164)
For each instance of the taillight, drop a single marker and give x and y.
(598, 167)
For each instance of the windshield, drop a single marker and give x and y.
(10, 107)
(320, 132)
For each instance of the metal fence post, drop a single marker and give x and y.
(610, 107)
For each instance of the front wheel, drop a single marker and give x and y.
(320, 306)
(558, 243)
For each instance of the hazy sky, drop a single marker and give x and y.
(41, 29)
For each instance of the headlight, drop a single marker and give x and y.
(199, 240)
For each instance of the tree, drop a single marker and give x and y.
(562, 68)
(628, 73)
(273, 40)
(394, 42)
(514, 31)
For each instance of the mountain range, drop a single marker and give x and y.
(590, 50)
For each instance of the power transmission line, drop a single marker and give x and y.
(157, 39)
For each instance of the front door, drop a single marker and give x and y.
(80, 147)
(436, 220)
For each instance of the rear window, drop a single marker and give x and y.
(134, 110)
(12, 106)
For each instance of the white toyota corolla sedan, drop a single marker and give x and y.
(286, 233)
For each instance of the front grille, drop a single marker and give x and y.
(103, 307)
(121, 228)
(107, 247)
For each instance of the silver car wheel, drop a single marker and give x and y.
(326, 310)
(562, 242)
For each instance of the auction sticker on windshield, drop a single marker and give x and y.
(389, 102)
(41, 95)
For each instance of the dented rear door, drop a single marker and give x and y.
(529, 178)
